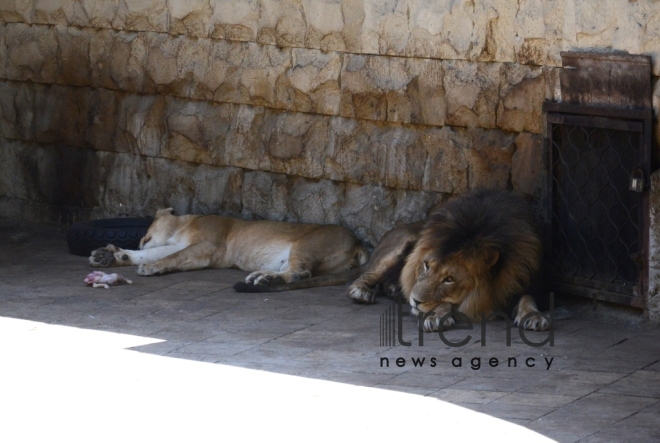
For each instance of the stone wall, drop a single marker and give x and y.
(359, 112)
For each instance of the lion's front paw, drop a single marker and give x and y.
(148, 269)
(263, 278)
(534, 322)
(432, 323)
(108, 256)
(361, 294)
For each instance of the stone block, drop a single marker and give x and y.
(58, 12)
(245, 146)
(229, 72)
(24, 111)
(361, 97)
(537, 40)
(259, 68)
(489, 159)
(265, 196)
(217, 190)
(3, 54)
(188, 137)
(653, 303)
(26, 210)
(235, 19)
(365, 203)
(449, 30)
(446, 167)
(140, 124)
(372, 210)
(472, 93)
(73, 56)
(13, 184)
(118, 60)
(367, 210)
(32, 54)
(124, 188)
(51, 174)
(295, 143)
(326, 23)
(101, 46)
(312, 82)
(60, 114)
(552, 84)
(140, 185)
(656, 108)
(315, 201)
(16, 11)
(282, 23)
(161, 63)
(529, 168)
(102, 121)
(8, 110)
(393, 89)
(142, 15)
(364, 152)
(529, 171)
(190, 17)
(522, 94)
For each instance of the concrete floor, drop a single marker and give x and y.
(183, 357)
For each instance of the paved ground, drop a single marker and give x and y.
(183, 356)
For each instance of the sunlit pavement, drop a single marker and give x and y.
(74, 384)
(184, 358)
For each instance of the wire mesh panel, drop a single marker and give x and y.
(597, 222)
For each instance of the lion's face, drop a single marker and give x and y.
(450, 280)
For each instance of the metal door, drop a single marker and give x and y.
(599, 227)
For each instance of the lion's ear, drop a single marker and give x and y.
(491, 257)
(162, 212)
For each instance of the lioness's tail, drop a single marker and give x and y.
(313, 282)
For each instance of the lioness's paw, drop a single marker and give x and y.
(149, 269)
(432, 323)
(263, 278)
(108, 256)
(535, 322)
(361, 294)
(302, 275)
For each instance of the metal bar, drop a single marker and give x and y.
(596, 122)
(632, 291)
(631, 59)
(598, 294)
(566, 108)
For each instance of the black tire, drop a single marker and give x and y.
(125, 233)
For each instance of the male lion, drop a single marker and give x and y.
(274, 251)
(472, 255)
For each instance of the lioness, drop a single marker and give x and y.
(274, 251)
(472, 255)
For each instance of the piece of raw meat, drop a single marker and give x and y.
(98, 279)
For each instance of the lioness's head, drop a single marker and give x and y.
(475, 252)
(160, 229)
